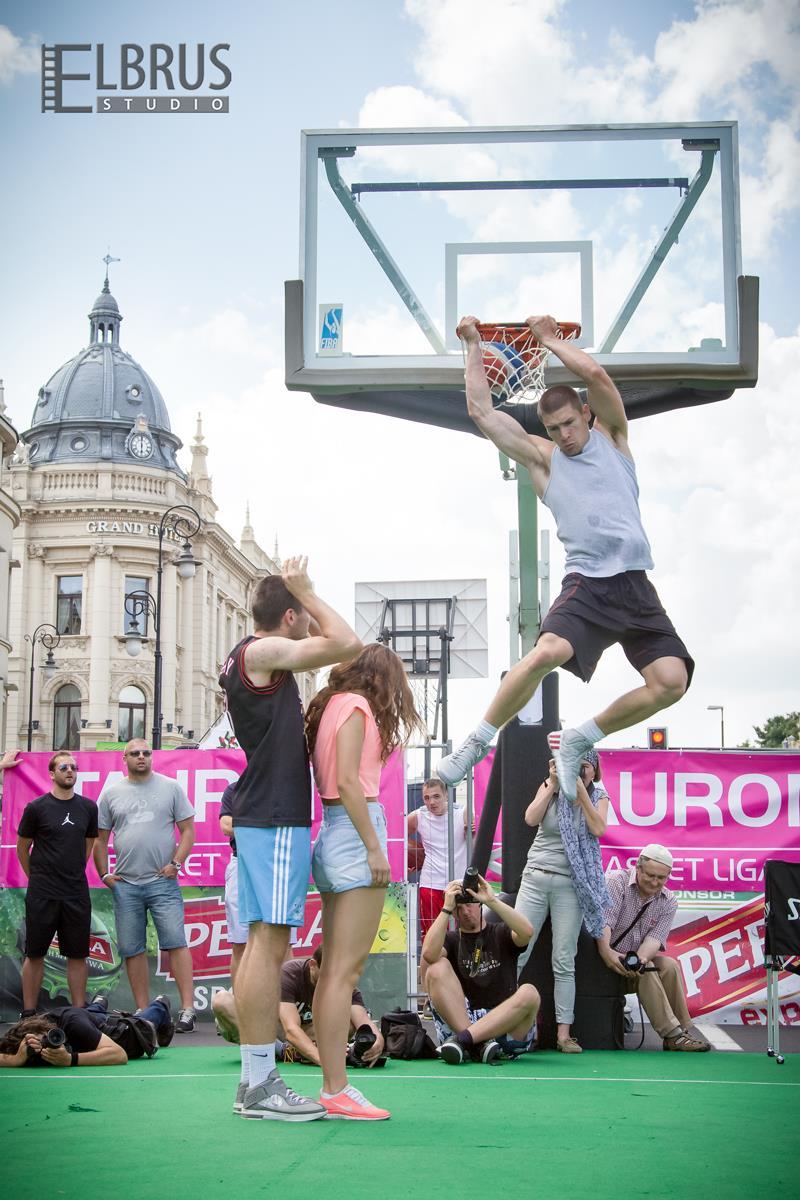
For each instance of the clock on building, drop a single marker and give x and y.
(140, 445)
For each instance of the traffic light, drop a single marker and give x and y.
(657, 738)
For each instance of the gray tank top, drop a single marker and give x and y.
(594, 498)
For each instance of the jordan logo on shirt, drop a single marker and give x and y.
(67, 821)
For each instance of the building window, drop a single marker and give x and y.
(68, 603)
(135, 583)
(67, 718)
(132, 713)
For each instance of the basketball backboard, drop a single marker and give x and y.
(632, 231)
(409, 613)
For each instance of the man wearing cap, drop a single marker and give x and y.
(639, 918)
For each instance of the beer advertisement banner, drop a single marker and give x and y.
(722, 814)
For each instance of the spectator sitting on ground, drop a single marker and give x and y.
(298, 980)
(84, 1042)
(478, 1009)
(639, 919)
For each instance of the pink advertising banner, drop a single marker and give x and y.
(204, 775)
(720, 813)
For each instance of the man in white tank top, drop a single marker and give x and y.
(585, 475)
(430, 824)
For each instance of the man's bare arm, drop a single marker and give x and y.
(289, 1019)
(24, 853)
(335, 642)
(501, 429)
(602, 395)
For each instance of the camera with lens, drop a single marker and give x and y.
(471, 880)
(632, 962)
(363, 1041)
(51, 1039)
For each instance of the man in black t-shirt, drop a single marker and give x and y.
(93, 1036)
(54, 840)
(472, 978)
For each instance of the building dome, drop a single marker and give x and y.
(102, 405)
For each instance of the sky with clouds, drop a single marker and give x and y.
(203, 212)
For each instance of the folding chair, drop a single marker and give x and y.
(781, 939)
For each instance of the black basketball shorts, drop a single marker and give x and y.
(69, 917)
(592, 614)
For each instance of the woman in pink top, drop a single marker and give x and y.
(353, 725)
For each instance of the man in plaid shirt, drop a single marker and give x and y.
(639, 919)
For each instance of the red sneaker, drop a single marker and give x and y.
(350, 1105)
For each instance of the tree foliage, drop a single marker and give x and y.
(776, 729)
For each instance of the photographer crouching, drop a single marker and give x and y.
(479, 1011)
(638, 921)
(87, 1037)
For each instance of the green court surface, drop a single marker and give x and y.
(549, 1125)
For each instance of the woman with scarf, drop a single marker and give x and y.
(564, 876)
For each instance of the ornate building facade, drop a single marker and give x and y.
(9, 519)
(94, 477)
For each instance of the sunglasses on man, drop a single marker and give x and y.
(66, 767)
(139, 753)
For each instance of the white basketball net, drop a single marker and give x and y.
(514, 361)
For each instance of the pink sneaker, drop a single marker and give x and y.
(350, 1105)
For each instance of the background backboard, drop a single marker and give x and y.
(631, 230)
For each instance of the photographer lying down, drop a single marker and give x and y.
(479, 1011)
(298, 982)
(639, 919)
(87, 1037)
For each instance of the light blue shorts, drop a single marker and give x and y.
(237, 932)
(340, 856)
(273, 866)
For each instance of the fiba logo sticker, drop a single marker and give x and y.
(135, 79)
(331, 318)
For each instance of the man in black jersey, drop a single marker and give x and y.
(61, 828)
(294, 631)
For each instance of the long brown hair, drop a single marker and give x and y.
(380, 677)
(38, 1024)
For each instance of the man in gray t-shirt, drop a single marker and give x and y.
(142, 812)
(584, 472)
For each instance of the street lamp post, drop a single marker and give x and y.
(49, 637)
(721, 710)
(183, 521)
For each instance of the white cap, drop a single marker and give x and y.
(658, 853)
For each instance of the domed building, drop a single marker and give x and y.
(99, 490)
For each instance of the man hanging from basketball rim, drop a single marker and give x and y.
(586, 476)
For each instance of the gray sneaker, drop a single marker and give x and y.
(274, 1101)
(452, 769)
(240, 1095)
(569, 757)
(186, 1021)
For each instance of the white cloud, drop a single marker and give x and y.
(17, 57)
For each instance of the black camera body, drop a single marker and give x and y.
(471, 880)
(632, 962)
(363, 1041)
(51, 1039)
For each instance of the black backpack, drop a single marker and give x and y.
(405, 1036)
(136, 1035)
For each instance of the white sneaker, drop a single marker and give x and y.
(569, 757)
(452, 769)
(241, 1092)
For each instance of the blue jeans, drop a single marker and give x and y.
(156, 1012)
(541, 892)
(132, 902)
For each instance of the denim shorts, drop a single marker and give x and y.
(132, 902)
(339, 863)
(237, 933)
